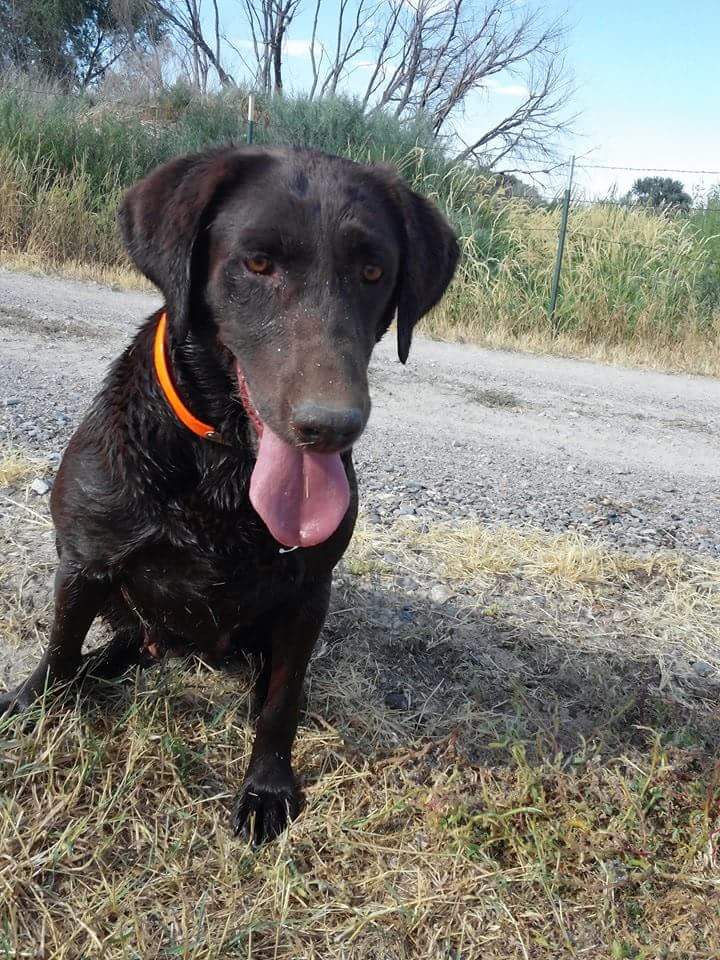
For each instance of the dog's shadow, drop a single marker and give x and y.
(394, 670)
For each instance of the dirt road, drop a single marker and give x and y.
(630, 455)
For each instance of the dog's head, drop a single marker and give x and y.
(298, 261)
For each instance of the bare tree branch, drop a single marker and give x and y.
(313, 59)
(430, 59)
(102, 60)
(433, 58)
(216, 17)
(186, 19)
(383, 52)
(530, 131)
(268, 22)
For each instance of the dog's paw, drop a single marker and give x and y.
(15, 701)
(265, 806)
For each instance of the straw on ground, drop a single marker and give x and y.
(527, 769)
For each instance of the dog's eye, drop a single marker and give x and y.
(372, 272)
(259, 264)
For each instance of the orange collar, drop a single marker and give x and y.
(167, 386)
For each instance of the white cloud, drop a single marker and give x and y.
(509, 89)
(299, 48)
(291, 48)
(430, 6)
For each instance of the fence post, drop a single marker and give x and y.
(251, 118)
(560, 248)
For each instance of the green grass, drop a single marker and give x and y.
(62, 135)
(635, 287)
(706, 224)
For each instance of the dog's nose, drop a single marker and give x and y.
(328, 428)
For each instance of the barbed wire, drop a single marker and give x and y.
(579, 165)
(622, 204)
(606, 202)
(606, 166)
(626, 243)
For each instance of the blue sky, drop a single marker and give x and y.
(648, 74)
(648, 86)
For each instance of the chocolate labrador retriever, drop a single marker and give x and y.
(209, 493)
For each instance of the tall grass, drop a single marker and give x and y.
(61, 133)
(627, 274)
(635, 285)
(706, 224)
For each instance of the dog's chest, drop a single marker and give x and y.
(209, 576)
(209, 572)
(205, 599)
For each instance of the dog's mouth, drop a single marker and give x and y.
(300, 496)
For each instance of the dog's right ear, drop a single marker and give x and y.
(429, 256)
(162, 216)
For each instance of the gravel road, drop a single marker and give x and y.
(631, 456)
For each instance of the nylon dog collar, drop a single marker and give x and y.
(167, 386)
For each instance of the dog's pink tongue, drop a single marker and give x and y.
(301, 497)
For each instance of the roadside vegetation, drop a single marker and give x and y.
(637, 286)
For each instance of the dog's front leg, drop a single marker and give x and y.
(78, 598)
(268, 799)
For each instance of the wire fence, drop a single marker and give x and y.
(569, 201)
(575, 234)
(602, 166)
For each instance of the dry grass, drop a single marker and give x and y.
(693, 354)
(16, 466)
(549, 790)
(116, 277)
(636, 288)
(54, 218)
(666, 602)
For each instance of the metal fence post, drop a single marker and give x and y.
(251, 118)
(561, 248)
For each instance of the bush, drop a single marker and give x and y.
(62, 132)
(629, 276)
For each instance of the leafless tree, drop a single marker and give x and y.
(355, 19)
(438, 58)
(198, 28)
(268, 22)
(432, 59)
(528, 135)
(205, 54)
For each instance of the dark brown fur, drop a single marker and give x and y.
(155, 532)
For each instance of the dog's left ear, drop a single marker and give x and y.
(429, 259)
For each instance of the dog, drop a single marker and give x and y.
(206, 497)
